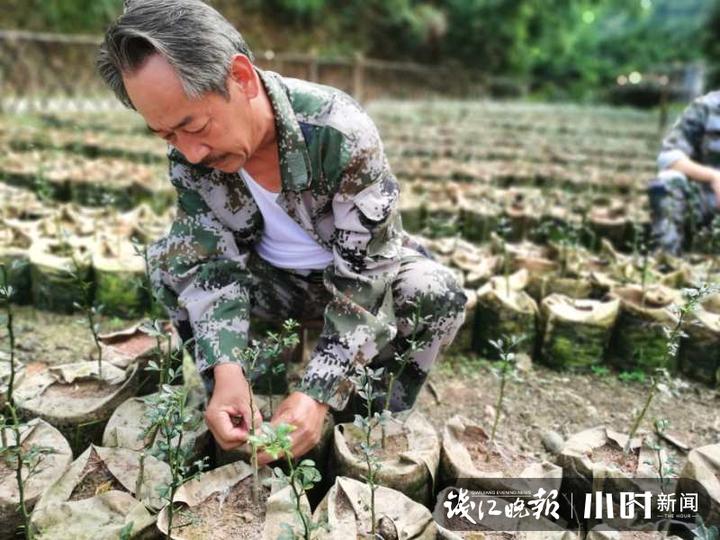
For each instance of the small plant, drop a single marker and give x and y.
(169, 418)
(641, 249)
(90, 311)
(167, 369)
(635, 375)
(702, 532)
(665, 468)
(141, 250)
(414, 345)
(13, 453)
(301, 477)
(600, 371)
(258, 359)
(691, 299)
(365, 380)
(503, 368)
(566, 236)
(6, 294)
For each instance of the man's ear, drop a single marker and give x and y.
(242, 73)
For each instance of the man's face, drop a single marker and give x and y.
(210, 130)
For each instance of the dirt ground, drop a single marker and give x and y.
(541, 400)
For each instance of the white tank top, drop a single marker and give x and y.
(284, 243)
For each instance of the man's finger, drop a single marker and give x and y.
(228, 429)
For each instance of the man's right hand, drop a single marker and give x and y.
(715, 183)
(228, 412)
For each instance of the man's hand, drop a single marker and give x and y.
(715, 183)
(228, 412)
(308, 417)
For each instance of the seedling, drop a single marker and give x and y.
(642, 249)
(365, 380)
(169, 418)
(14, 454)
(414, 345)
(6, 294)
(257, 359)
(566, 236)
(665, 468)
(301, 477)
(691, 298)
(635, 375)
(600, 371)
(503, 368)
(87, 307)
(141, 250)
(167, 370)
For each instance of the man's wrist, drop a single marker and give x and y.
(228, 372)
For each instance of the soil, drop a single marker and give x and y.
(134, 345)
(225, 515)
(80, 390)
(543, 400)
(566, 403)
(395, 443)
(611, 454)
(479, 446)
(96, 479)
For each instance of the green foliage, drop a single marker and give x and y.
(301, 477)
(600, 371)
(504, 368)
(636, 375)
(169, 418)
(169, 369)
(569, 48)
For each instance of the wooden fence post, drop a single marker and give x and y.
(313, 67)
(358, 76)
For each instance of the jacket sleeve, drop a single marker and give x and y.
(359, 319)
(684, 140)
(203, 271)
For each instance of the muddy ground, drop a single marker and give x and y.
(541, 400)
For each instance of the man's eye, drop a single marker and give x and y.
(199, 130)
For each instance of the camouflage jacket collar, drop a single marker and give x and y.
(295, 168)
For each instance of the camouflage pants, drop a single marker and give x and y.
(422, 288)
(679, 207)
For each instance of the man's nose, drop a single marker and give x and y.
(194, 150)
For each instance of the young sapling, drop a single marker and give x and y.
(504, 367)
(257, 359)
(301, 477)
(691, 299)
(86, 305)
(169, 418)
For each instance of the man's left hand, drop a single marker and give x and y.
(308, 417)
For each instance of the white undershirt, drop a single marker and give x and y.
(284, 243)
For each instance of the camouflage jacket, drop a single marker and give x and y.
(696, 134)
(337, 185)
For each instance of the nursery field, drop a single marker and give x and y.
(583, 354)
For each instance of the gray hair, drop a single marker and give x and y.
(196, 40)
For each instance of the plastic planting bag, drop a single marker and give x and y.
(345, 511)
(640, 337)
(53, 457)
(97, 495)
(76, 398)
(576, 333)
(464, 462)
(218, 504)
(408, 463)
(501, 312)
